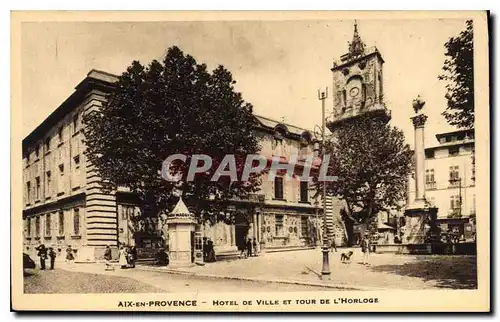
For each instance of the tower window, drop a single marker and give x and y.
(47, 144)
(75, 123)
(60, 134)
(77, 161)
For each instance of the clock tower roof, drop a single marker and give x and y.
(357, 46)
(357, 50)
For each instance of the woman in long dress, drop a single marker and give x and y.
(123, 257)
(366, 249)
(69, 254)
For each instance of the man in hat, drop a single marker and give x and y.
(52, 255)
(333, 245)
(42, 253)
(107, 258)
(365, 248)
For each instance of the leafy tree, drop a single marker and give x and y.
(372, 163)
(170, 107)
(458, 72)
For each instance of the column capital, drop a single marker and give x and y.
(419, 120)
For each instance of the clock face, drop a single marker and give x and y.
(354, 92)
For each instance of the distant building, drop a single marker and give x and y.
(62, 202)
(450, 181)
(64, 205)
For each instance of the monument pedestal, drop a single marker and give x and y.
(181, 227)
(420, 219)
(179, 237)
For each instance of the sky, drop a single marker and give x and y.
(278, 65)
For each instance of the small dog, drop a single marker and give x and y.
(346, 257)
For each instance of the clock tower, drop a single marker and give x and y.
(357, 82)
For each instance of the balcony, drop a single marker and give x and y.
(430, 185)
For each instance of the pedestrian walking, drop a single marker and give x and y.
(255, 244)
(249, 247)
(108, 257)
(42, 253)
(69, 254)
(242, 248)
(52, 255)
(123, 257)
(210, 251)
(205, 249)
(365, 248)
(132, 255)
(333, 245)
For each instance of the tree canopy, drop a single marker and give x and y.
(165, 108)
(372, 163)
(458, 73)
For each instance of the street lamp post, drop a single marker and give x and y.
(325, 272)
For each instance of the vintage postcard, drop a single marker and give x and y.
(250, 161)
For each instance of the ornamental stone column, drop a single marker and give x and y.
(419, 124)
(420, 228)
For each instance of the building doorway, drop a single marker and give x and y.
(241, 228)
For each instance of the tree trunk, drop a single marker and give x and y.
(350, 231)
(349, 226)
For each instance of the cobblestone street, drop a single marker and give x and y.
(91, 278)
(60, 281)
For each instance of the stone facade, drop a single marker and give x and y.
(63, 204)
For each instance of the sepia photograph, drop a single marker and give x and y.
(258, 161)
